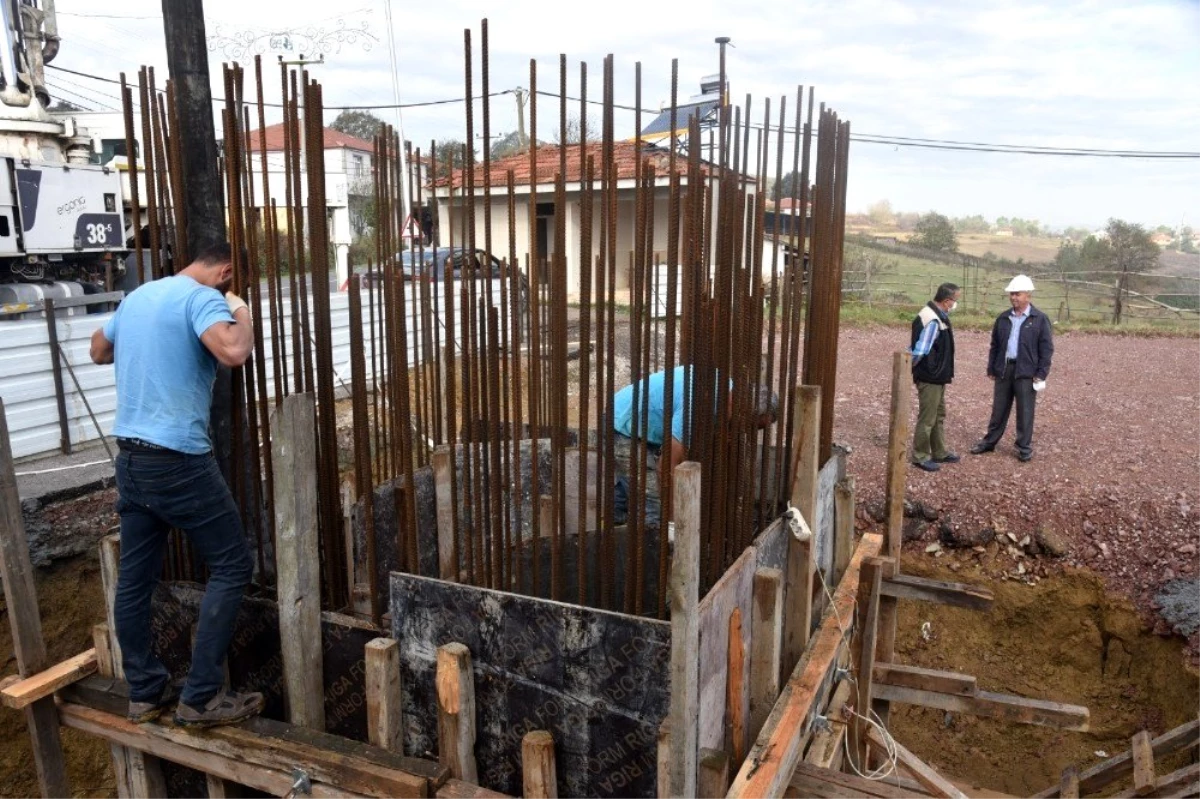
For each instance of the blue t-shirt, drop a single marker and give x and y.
(651, 423)
(164, 373)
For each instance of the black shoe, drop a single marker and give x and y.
(142, 712)
(949, 457)
(1024, 457)
(928, 466)
(981, 448)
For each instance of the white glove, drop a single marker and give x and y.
(235, 302)
(1039, 385)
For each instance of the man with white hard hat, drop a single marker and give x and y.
(1018, 364)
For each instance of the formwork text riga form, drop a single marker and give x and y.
(708, 704)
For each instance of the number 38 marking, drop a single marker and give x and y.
(98, 234)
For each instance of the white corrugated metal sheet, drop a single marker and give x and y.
(27, 378)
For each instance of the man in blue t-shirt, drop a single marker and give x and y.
(165, 340)
(668, 454)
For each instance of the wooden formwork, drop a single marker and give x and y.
(758, 697)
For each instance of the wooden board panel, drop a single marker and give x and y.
(779, 748)
(946, 682)
(1093, 779)
(20, 693)
(813, 781)
(733, 591)
(962, 595)
(1001, 706)
(597, 681)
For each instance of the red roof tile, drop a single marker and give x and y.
(333, 140)
(548, 159)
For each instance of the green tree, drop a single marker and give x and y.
(1126, 250)
(787, 186)
(881, 213)
(1185, 240)
(933, 231)
(451, 155)
(362, 124)
(971, 224)
(507, 145)
(573, 129)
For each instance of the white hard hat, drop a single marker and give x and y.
(1020, 283)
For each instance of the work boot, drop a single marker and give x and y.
(141, 712)
(227, 707)
(928, 466)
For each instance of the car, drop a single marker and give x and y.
(431, 262)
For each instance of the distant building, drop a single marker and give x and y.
(1004, 231)
(1163, 240)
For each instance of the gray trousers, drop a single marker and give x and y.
(1005, 390)
(929, 436)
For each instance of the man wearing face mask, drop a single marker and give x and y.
(165, 340)
(933, 368)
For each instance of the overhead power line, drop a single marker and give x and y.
(862, 138)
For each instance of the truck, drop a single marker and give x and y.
(63, 229)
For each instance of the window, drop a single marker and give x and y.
(357, 165)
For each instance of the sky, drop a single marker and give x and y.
(1069, 74)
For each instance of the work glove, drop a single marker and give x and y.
(235, 302)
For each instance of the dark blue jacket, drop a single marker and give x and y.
(1035, 345)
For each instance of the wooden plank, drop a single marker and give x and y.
(221, 788)
(539, 776)
(447, 543)
(946, 682)
(714, 774)
(1143, 763)
(574, 496)
(843, 544)
(297, 558)
(103, 650)
(25, 692)
(1068, 783)
(1091, 780)
(961, 595)
(864, 652)
(779, 746)
(456, 712)
(814, 781)
(736, 694)
(356, 766)
(193, 751)
(999, 706)
(1178, 781)
(385, 725)
(825, 750)
(733, 590)
(683, 591)
(929, 779)
(806, 435)
(766, 638)
(24, 618)
(457, 789)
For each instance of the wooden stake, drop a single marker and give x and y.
(1068, 784)
(736, 688)
(297, 558)
(385, 725)
(664, 759)
(447, 543)
(714, 774)
(456, 711)
(766, 638)
(797, 620)
(20, 596)
(864, 648)
(103, 649)
(897, 475)
(843, 545)
(1143, 764)
(539, 775)
(684, 592)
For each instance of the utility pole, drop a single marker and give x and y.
(187, 63)
(203, 197)
(522, 139)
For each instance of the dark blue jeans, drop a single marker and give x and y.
(159, 490)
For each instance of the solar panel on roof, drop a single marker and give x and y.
(661, 124)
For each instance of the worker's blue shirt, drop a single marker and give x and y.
(652, 422)
(1014, 334)
(164, 373)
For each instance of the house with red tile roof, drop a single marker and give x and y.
(536, 215)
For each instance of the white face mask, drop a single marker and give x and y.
(953, 305)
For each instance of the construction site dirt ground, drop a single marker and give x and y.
(1115, 477)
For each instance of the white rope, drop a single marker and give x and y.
(62, 468)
